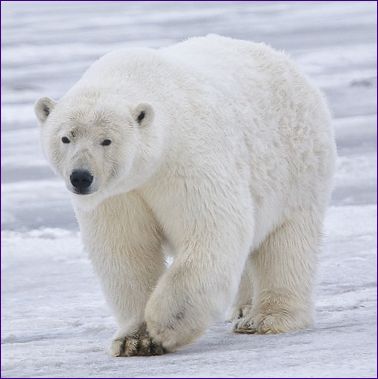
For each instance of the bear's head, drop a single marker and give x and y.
(98, 147)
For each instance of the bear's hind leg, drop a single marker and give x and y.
(283, 272)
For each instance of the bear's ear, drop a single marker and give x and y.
(43, 108)
(143, 114)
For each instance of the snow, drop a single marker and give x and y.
(55, 322)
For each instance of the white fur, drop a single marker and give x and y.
(232, 166)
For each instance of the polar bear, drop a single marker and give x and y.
(218, 148)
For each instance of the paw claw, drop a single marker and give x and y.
(139, 344)
(243, 327)
(279, 322)
(117, 347)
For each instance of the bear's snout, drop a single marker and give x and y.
(81, 180)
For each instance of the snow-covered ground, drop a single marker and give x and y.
(54, 319)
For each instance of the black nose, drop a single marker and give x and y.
(81, 179)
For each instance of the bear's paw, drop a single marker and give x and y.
(137, 344)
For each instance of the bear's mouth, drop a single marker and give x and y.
(81, 192)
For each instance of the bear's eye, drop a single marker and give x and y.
(106, 142)
(141, 116)
(65, 140)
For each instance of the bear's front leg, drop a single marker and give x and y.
(124, 243)
(203, 279)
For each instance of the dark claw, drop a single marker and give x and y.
(140, 344)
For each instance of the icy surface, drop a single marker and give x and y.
(54, 319)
